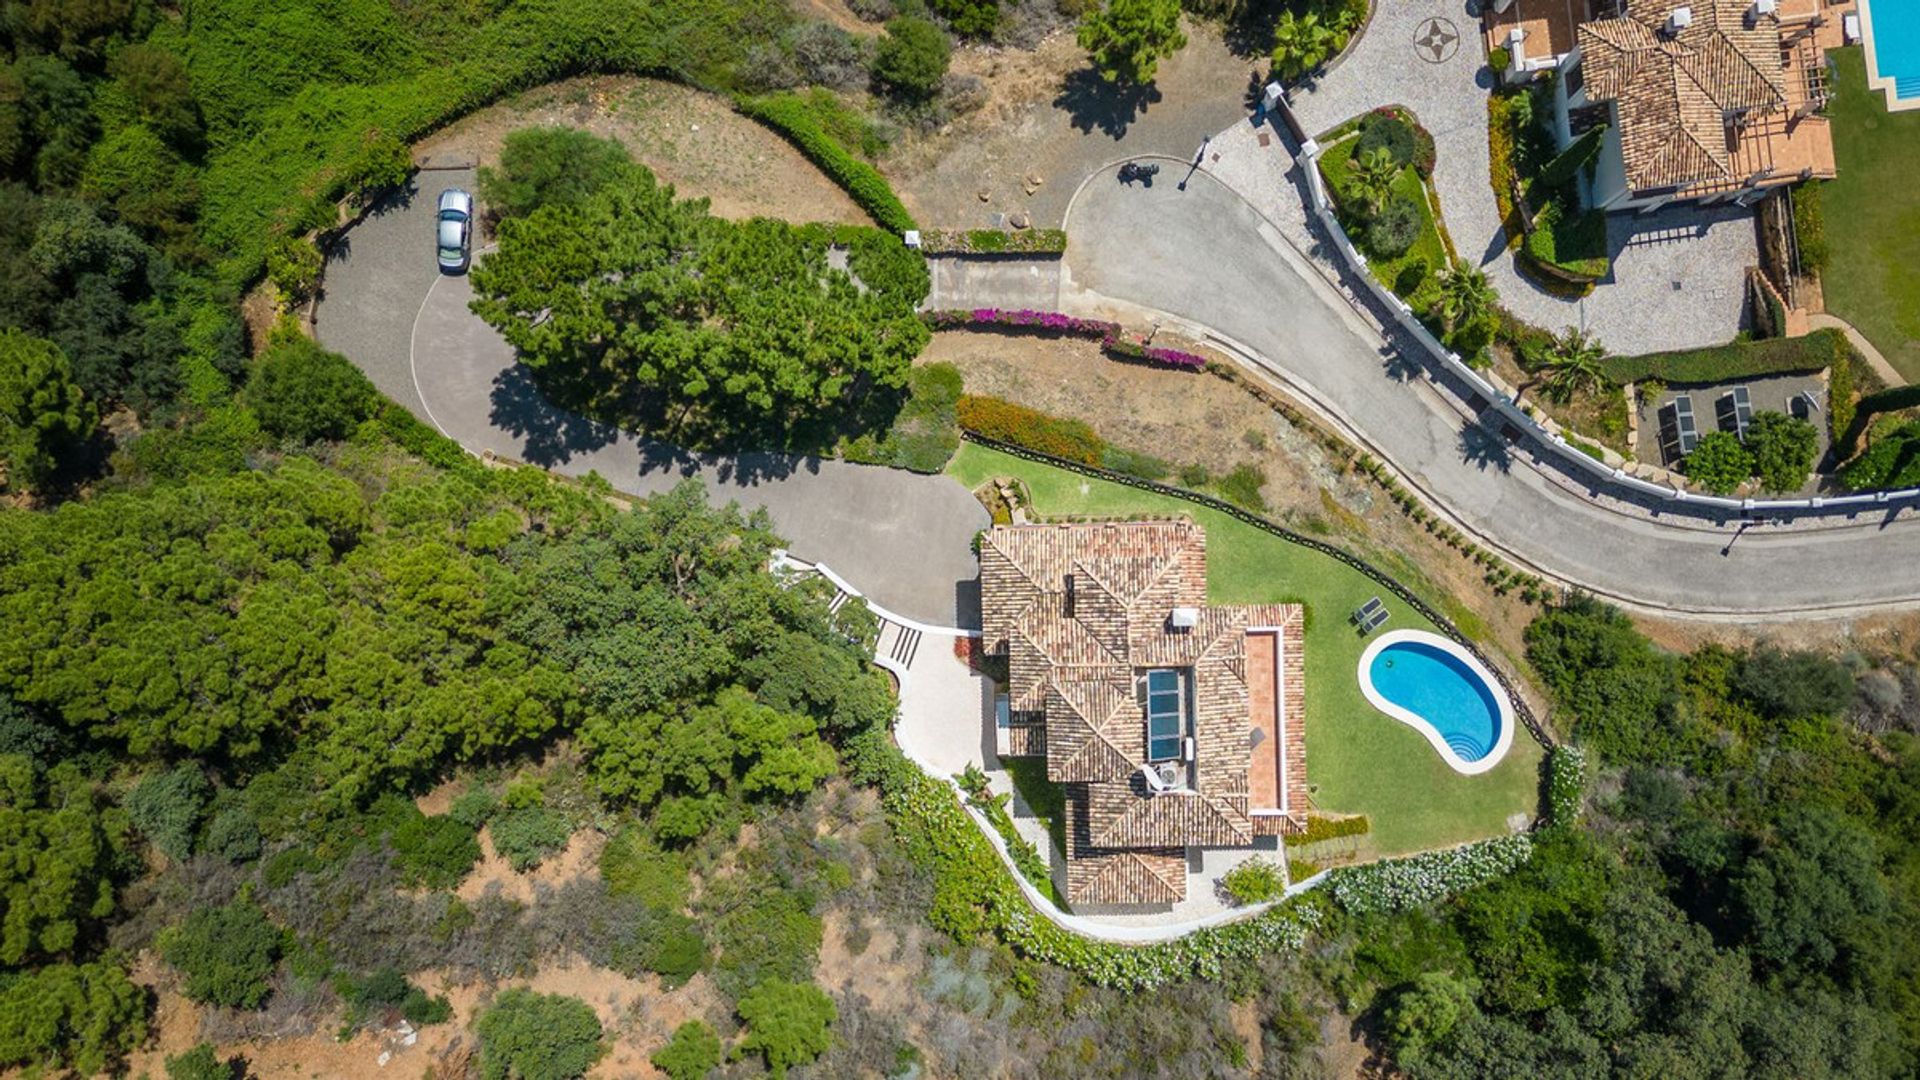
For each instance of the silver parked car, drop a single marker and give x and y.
(454, 231)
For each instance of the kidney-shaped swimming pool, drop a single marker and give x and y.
(1444, 692)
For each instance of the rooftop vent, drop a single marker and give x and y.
(1681, 18)
(1762, 9)
(1184, 618)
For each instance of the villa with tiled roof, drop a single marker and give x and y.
(1709, 100)
(1173, 725)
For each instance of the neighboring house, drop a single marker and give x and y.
(1172, 725)
(1707, 100)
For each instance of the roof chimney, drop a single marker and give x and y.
(1184, 618)
(1681, 18)
(1762, 9)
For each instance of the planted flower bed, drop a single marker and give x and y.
(1052, 322)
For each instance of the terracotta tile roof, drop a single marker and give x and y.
(1676, 90)
(1156, 876)
(1079, 610)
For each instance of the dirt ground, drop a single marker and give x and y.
(1049, 117)
(1203, 419)
(690, 139)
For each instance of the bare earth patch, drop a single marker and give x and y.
(690, 139)
(580, 857)
(1048, 117)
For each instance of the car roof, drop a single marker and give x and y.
(456, 199)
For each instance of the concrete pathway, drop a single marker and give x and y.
(903, 537)
(1875, 359)
(1206, 256)
(1638, 309)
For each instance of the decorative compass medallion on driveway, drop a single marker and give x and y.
(1436, 40)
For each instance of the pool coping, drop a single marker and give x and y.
(1501, 743)
(1875, 80)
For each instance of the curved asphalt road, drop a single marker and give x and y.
(904, 539)
(1204, 256)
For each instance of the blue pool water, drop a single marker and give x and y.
(1894, 26)
(1438, 687)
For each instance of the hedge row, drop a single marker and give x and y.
(792, 117)
(1737, 360)
(1325, 828)
(1007, 422)
(1885, 401)
(974, 895)
(993, 241)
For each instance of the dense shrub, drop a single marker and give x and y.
(1391, 133)
(1791, 685)
(85, 1017)
(225, 953)
(303, 392)
(925, 433)
(1005, 421)
(1327, 828)
(1783, 449)
(1241, 487)
(791, 116)
(233, 835)
(1398, 884)
(1734, 361)
(1810, 227)
(911, 59)
(549, 166)
(1718, 463)
(529, 1036)
(1394, 229)
(787, 1023)
(1254, 881)
(972, 18)
(1566, 164)
(434, 851)
(525, 836)
(993, 241)
(200, 1063)
(632, 865)
(167, 807)
(692, 1052)
(1892, 462)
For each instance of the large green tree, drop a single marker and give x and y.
(550, 166)
(1128, 38)
(725, 327)
(44, 415)
(60, 848)
(1783, 448)
(787, 1022)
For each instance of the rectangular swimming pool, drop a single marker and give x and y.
(1891, 32)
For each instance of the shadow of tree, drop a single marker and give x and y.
(1092, 102)
(1484, 449)
(549, 435)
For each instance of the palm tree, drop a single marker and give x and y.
(1373, 174)
(1575, 363)
(1465, 296)
(1300, 43)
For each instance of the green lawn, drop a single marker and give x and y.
(1359, 760)
(1873, 216)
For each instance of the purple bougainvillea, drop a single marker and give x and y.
(1053, 322)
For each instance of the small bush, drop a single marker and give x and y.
(1254, 881)
(632, 865)
(1007, 422)
(1144, 466)
(474, 807)
(233, 835)
(531, 1036)
(1241, 487)
(1394, 229)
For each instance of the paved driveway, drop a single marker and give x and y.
(1205, 256)
(902, 538)
(1637, 309)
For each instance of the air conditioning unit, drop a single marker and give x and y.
(1169, 774)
